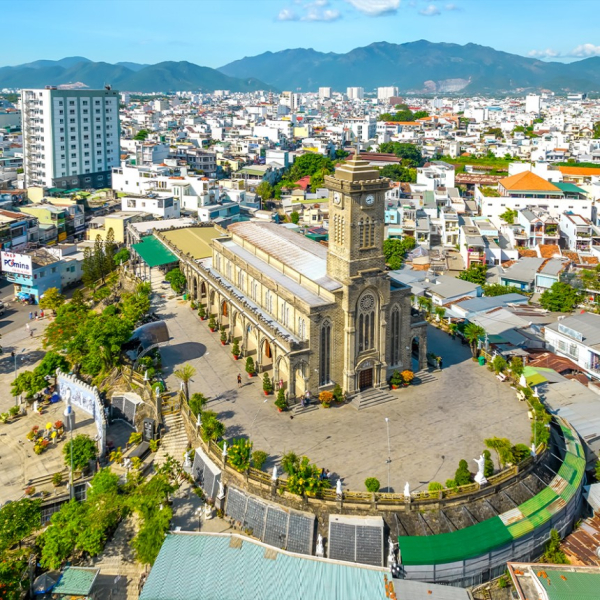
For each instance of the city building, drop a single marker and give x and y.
(325, 93)
(355, 93)
(71, 138)
(385, 93)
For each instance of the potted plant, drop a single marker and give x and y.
(250, 366)
(57, 479)
(29, 491)
(212, 324)
(13, 411)
(193, 305)
(396, 380)
(325, 398)
(223, 336)
(338, 394)
(202, 312)
(267, 384)
(235, 349)
(281, 403)
(59, 426)
(407, 377)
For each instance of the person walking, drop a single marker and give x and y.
(30, 315)
(27, 325)
(239, 380)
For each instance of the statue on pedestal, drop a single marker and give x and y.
(479, 476)
(407, 490)
(320, 552)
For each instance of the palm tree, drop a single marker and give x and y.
(185, 374)
(472, 334)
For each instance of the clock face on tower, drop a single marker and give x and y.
(337, 197)
(370, 200)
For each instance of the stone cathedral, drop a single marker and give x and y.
(314, 316)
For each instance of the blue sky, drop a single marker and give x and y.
(215, 32)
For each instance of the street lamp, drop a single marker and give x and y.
(14, 355)
(69, 415)
(389, 459)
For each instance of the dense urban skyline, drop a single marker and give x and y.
(136, 30)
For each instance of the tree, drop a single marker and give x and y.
(265, 190)
(597, 130)
(141, 135)
(196, 403)
(561, 297)
(509, 215)
(503, 449)
(499, 364)
(516, 366)
(212, 428)
(421, 114)
(488, 464)
(554, 555)
(410, 153)
(475, 274)
(239, 454)
(399, 173)
(472, 334)
(122, 256)
(497, 289)
(18, 520)
(184, 374)
(108, 252)
(84, 450)
(52, 300)
(88, 267)
(462, 475)
(395, 249)
(177, 280)
(372, 484)
(259, 458)
(309, 164)
(295, 217)
(304, 478)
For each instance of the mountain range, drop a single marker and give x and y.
(419, 67)
(162, 77)
(414, 67)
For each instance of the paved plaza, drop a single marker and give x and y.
(432, 426)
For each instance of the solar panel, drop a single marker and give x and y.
(369, 546)
(276, 526)
(301, 529)
(356, 539)
(255, 517)
(342, 542)
(236, 504)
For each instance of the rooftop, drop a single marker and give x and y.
(193, 240)
(527, 182)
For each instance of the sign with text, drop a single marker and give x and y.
(16, 263)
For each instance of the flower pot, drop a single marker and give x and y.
(266, 392)
(236, 356)
(326, 405)
(394, 387)
(223, 343)
(251, 375)
(203, 318)
(280, 410)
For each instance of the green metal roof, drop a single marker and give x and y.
(76, 581)
(197, 566)
(455, 546)
(570, 585)
(568, 187)
(153, 252)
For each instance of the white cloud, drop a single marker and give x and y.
(287, 15)
(547, 53)
(430, 11)
(375, 8)
(316, 13)
(452, 7)
(585, 51)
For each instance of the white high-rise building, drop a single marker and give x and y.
(71, 138)
(325, 92)
(355, 93)
(533, 104)
(289, 99)
(385, 93)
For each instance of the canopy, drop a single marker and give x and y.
(43, 584)
(153, 252)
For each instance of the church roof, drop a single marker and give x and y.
(301, 254)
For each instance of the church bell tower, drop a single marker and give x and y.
(356, 221)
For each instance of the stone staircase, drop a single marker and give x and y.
(371, 397)
(425, 376)
(301, 410)
(174, 441)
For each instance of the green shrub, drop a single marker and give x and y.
(235, 348)
(135, 438)
(197, 402)
(520, 452)
(249, 365)
(450, 483)
(435, 486)
(201, 311)
(259, 458)
(289, 462)
(267, 384)
(462, 475)
(488, 465)
(396, 379)
(239, 454)
(372, 484)
(212, 323)
(212, 428)
(281, 402)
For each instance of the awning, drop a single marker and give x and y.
(153, 252)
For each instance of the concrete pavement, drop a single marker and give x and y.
(432, 426)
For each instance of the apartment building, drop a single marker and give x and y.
(70, 137)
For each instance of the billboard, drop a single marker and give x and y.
(16, 263)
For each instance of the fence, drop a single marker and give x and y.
(370, 500)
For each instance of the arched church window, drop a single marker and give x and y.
(325, 354)
(395, 336)
(366, 323)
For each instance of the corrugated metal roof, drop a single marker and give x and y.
(296, 251)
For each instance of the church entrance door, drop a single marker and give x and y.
(365, 379)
